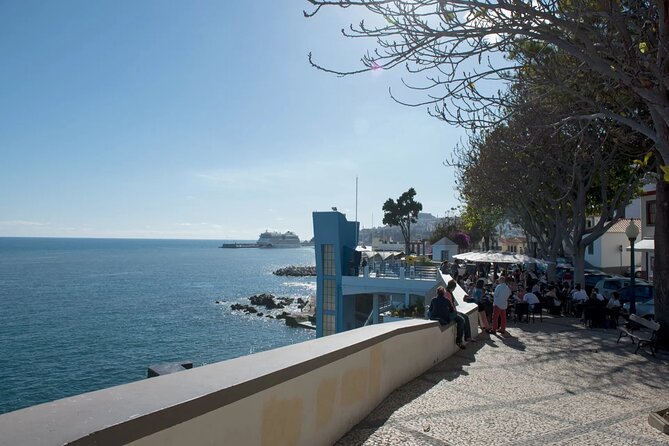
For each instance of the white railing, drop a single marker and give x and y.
(422, 272)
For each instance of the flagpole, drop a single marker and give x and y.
(357, 232)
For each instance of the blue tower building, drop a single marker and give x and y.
(334, 245)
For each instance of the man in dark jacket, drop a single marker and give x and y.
(442, 309)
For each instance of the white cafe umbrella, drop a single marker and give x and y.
(495, 257)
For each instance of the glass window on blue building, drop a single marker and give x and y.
(328, 260)
(328, 324)
(329, 295)
(329, 290)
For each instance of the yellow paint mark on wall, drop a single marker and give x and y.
(354, 386)
(375, 368)
(281, 421)
(325, 401)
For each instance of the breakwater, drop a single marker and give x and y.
(296, 271)
(239, 245)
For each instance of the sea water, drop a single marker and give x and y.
(78, 315)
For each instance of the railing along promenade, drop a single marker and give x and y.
(399, 271)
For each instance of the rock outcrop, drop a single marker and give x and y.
(296, 271)
(270, 302)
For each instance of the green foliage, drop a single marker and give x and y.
(481, 220)
(444, 228)
(417, 310)
(402, 213)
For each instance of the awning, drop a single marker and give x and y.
(495, 257)
(644, 245)
(382, 255)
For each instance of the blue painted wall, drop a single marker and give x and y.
(333, 228)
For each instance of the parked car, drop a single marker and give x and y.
(611, 284)
(642, 292)
(644, 309)
(592, 278)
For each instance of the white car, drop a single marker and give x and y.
(610, 284)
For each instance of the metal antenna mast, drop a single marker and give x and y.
(357, 232)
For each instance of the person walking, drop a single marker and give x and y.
(500, 302)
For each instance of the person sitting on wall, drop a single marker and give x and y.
(460, 318)
(442, 309)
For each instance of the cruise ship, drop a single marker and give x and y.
(278, 240)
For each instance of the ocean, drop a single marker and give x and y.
(78, 315)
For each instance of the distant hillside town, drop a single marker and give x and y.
(420, 230)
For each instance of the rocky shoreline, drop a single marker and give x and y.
(266, 305)
(296, 271)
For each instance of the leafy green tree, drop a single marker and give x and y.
(481, 220)
(447, 226)
(551, 179)
(460, 50)
(402, 213)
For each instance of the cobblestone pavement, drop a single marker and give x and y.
(551, 382)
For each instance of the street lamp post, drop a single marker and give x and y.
(632, 233)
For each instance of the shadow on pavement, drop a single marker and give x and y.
(447, 370)
(573, 364)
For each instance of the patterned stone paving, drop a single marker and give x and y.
(552, 382)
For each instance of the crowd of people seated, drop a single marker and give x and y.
(531, 291)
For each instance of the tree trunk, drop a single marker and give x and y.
(661, 269)
(407, 240)
(551, 272)
(579, 265)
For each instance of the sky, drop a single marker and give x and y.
(201, 119)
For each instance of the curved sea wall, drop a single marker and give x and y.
(309, 393)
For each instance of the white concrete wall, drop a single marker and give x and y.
(607, 254)
(310, 393)
(436, 252)
(318, 407)
(610, 255)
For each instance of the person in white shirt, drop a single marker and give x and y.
(500, 302)
(614, 302)
(613, 309)
(531, 299)
(536, 288)
(598, 295)
(579, 297)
